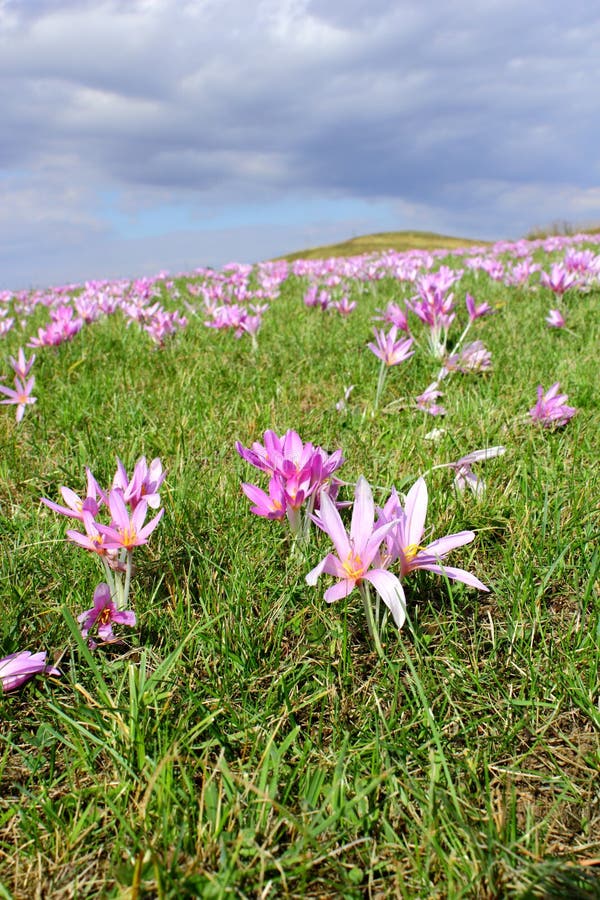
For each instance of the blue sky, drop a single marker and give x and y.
(168, 134)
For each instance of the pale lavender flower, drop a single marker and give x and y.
(403, 540)
(17, 668)
(475, 357)
(551, 409)
(388, 349)
(357, 552)
(555, 319)
(21, 366)
(426, 401)
(102, 615)
(464, 475)
(476, 312)
(19, 396)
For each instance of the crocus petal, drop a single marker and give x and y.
(456, 575)
(391, 592)
(340, 590)
(442, 546)
(415, 510)
(363, 514)
(332, 524)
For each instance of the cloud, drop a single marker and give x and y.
(114, 112)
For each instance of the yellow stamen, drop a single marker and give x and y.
(411, 551)
(353, 566)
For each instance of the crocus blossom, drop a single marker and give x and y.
(403, 541)
(103, 614)
(464, 475)
(388, 349)
(357, 551)
(20, 395)
(555, 319)
(17, 668)
(551, 408)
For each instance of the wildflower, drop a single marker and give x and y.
(551, 409)
(475, 357)
(102, 615)
(342, 404)
(21, 395)
(356, 552)
(464, 475)
(559, 280)
(19, 667)
(476, 312)
(555, 319)
(271, 505)
(403, 540)
(426, 401)
(388, 349)
(127, 531)
(76, 507)
(21, 366)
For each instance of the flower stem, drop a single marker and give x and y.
(372, 625)
(380, 382)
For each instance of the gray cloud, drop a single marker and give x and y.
(460, 111)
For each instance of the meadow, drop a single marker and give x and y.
(246, 738)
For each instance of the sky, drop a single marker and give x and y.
(149, 135)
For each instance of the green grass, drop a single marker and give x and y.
(247, 741)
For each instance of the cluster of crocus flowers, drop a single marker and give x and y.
(551, 409)
(298, 474)
(124, 509)
(366, 554)
(17, 668)
(20, 395)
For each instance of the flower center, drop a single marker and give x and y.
(354, 566)
(411, 551)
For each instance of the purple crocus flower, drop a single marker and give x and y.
(555, 319)
(19, 667)
(551, 409)
(20, 396)
(356, 553)
(102, 615)
(388, 349)
(476, 312)
(403, 540)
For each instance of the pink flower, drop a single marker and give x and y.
(388, 349)
(127, 531)
(476, 312)
(102, 615)
(426, 401)
(403, 540)
(269, 506)
(559, 280)
(21, 366)
(551, 409)
(21, 396)
(465, 477)
(555, 319)
(356, 552)
(76, 507)
(19, 667)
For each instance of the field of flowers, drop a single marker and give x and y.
(300, 579)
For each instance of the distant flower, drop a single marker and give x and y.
(556, 319)
(551, 409)
(395, 315)
(19, 667)
(426, 401)
(102, 615)
(475, 357)
(388, 349)
(559, 280)
(20, 396)
(342, 404)
(21, 366)
(476, 312)
(344, 306)
(465, 477)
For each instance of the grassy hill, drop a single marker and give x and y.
(385, 240)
